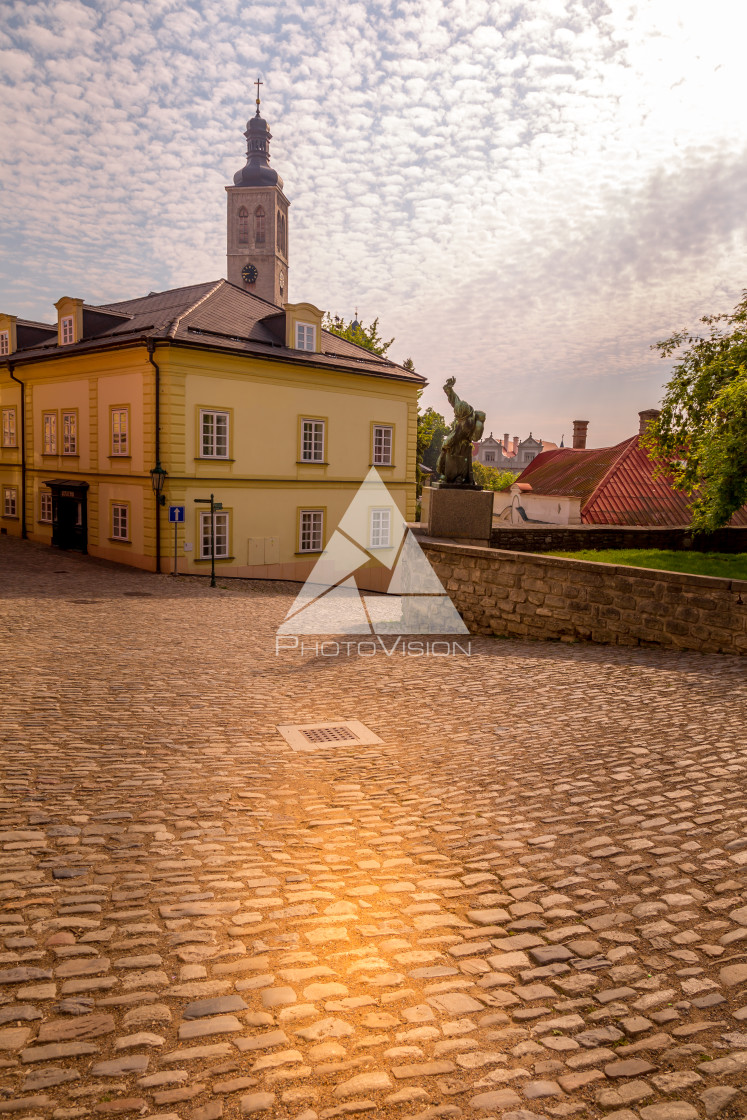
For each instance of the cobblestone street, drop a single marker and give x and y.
(529, 901)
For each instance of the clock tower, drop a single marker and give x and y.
(257, 213)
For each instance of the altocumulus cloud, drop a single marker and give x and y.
(527, 194)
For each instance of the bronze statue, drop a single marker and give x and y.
(454, 466)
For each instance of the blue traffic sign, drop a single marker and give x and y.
(176, 513)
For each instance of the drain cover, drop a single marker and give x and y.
(316, 736)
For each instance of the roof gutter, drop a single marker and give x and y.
(151, 346)
(11, 367)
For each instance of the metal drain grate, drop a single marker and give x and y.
(317, 736)
(329, 734)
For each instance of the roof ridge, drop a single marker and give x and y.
(174, 326)
(626, 446)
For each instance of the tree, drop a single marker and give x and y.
(431, 431)
(356, 332)
(490, 478)
(701, 432)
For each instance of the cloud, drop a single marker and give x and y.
(526, 193)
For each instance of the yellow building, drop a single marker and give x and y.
(219, 388)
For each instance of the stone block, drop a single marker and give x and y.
(460, 514)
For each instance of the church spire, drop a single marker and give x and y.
(257, 172)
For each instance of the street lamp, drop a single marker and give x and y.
(157, 479)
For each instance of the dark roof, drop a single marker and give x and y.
(219, 316)
(616, 485)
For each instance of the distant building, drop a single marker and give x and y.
(600, 486)
(510, 454)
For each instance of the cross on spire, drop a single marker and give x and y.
(258, 83)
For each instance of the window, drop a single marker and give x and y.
(45, 502)
(67, 332)
(69, 433)
(120, 431)
(312, 441)
(305, 333)
(221, 535)
(214, 434)
(282, 244)
(10, 502)
(9, 427)
(50, 433)
(259, 226)
(311, 524)
(243, 226)
(379, 536)
(120, 521)
(4, 343)
(490, 456)
(382, 446)
(281, 283)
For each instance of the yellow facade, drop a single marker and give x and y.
(101, 406)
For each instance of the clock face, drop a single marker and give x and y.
(249, 273)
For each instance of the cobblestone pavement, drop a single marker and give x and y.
(531, 900)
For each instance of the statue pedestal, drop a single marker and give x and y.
(464, 514)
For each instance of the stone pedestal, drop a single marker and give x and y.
(458, 514)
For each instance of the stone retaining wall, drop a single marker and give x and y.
(518, 594)
(573, 538)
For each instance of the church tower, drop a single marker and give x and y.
(257, 213)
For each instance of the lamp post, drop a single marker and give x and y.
(213, 507)
(157, 479)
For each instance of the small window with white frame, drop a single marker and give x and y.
(310, 530)
(380, 528)
(67, 330)
(69, 433)
(382, 445)
(490, 456)
(221, 535)
(10, 501)
(49, 423)
(4, 343)
(312, 441)
(213, 434)
(9, 427)
(305, 336)
(45, 507)
(120, 431)
(120, 521)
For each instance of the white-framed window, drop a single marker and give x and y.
(4, 343)
(213, 434)
(221, 535)
(380, 528)
(49, 421)
(45, 506)
(310, 530)
(10, 501)
(382, 445)
(9, 427)
(120, 521)
(312, 441)
(490, 456)
(67, 330)
(69, 433)
(305, 336)
(120, 431)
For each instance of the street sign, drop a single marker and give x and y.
(217, 505)
(176, 514)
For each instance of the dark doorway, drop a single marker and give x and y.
(69, 514)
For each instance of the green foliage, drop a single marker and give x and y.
(432, 429)
(701, 434)
(490, 478)
(361, 335)
(727, 565)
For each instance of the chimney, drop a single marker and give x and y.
(505, 441)
(516, 445)
(579, 434)
(645, 418)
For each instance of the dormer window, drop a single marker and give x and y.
(243, 226)
(259, 226)
(67, 330)
(4, 343)
(305, 339)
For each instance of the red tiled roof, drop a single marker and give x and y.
(616, 485)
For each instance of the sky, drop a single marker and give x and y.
(527, 194)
